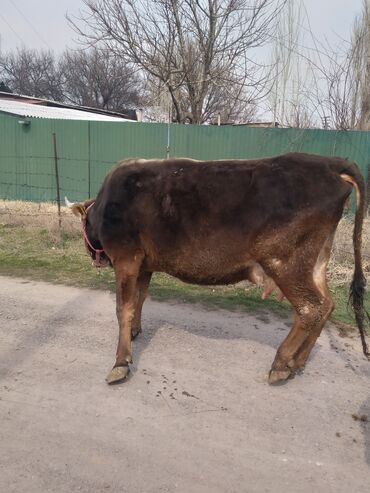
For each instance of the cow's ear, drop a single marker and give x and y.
(79, 210)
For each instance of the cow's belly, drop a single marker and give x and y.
(212, 278)
(215, 266)
(205, 266)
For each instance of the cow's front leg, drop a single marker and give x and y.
(126, 272)
(141, 292)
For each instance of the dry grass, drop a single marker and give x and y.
(340, 269)
(32, 247)
(42, 216)
(45, 216)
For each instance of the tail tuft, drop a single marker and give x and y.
(356, 299)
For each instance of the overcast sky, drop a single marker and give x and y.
(42, 24)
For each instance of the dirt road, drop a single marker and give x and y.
(196, 415)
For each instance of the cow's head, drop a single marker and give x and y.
(85, 211)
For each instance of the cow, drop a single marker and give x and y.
(270, 221)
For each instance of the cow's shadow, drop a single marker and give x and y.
(30, 341)
(216, 323)
(362, 416)
(265, 328)
(364, 423)
(213, 324)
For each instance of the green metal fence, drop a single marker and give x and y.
(87, 150)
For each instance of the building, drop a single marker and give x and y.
(30, 107)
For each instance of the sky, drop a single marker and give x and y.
(42, 24)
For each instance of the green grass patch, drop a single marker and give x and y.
(36, 254)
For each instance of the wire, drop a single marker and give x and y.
(11, 28)
(30, 24)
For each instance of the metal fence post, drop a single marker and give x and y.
(57, 180)
(88, 161)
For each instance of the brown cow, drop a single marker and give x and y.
(271, 221)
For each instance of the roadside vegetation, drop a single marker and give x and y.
(33, 247)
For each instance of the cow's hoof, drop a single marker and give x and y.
(279, 376)
(117, 374)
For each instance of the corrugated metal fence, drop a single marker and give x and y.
(87, 150)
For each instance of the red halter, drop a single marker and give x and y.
(97, 251)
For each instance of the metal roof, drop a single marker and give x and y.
(24, 109)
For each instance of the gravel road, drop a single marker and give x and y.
(195, 416)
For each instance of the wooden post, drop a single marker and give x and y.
(57, 181)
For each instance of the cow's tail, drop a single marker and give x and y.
(358, 285)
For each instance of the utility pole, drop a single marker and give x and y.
(325, 122)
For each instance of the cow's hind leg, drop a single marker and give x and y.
(312, 307)
(141, 292)
(305, 350)
(320, 280)
(127, 273)
(311, 313)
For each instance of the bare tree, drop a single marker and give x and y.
(284, 60)
(98, 79)
(341, 89)
(316, 84)
(298, 89)
(343, 78)
(361, 66)
(198, 49)
(32, 73)
(230, 104)
(340, 94)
